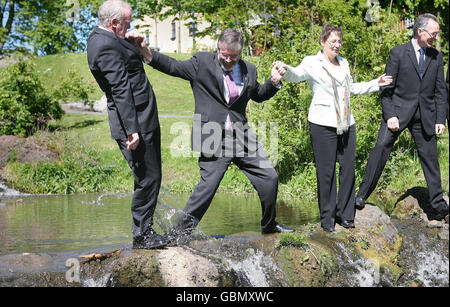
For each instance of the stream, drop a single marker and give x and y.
(55, 228)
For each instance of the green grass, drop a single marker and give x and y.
(174, 95)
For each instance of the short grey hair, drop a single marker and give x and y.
(112, 9)
(422, 22)
(232, 39)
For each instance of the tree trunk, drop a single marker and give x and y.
(9, 22)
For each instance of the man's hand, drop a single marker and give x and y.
(393, 124)
(278, 71)
(138, 39)
(439, 129)
(133, 141)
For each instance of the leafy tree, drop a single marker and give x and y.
(48, 26)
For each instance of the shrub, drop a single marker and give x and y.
(74, 86)
(366, 47)
(24, 104)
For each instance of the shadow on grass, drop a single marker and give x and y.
(77, 125)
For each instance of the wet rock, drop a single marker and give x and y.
(418, 207)
(366, 255)
(170, 267)
(13, 264)
(181, 268)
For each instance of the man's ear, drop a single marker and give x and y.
(114, 22)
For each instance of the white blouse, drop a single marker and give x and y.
(322, 109)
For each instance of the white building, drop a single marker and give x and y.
(173, 36)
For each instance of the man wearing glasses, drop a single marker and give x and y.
(417, 100)
(223, 84)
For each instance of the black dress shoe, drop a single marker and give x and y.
(441, 216)
(278, 228)
(150, 241)
(346, 223)
(328, 228)
(359, 203)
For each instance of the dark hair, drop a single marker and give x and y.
(327, 30)
(422, 22)
(232, 39)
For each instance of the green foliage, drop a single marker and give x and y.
(366, 47)
(68, 176)
(24, 104)
(74, 86)
(293, 239)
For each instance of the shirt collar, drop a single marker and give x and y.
(416, 46)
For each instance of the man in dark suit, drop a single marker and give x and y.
(223, 84)
(133, 117)
(417, 100)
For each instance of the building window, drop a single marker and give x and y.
(174, 31)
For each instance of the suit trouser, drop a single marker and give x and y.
(255, 166)
(428, 154)
(145, 163)
(327, 148)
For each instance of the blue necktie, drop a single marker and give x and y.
(421, 62)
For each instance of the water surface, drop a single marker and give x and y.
(64, 223)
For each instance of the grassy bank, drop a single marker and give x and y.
(53, 68)
(92, 162)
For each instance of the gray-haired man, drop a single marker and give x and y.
(417, 100)
(133, 117)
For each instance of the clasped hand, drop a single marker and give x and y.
(278, 71)
(138, 39)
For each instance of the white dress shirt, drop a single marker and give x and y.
(236, 74)
(322, 110)
(417, 49)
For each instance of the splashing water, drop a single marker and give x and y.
(360, 272)
(255, 268)
(424, 254)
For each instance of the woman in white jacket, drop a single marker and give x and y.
(332, 126)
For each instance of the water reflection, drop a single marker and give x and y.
(35, 224)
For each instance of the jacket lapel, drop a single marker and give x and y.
(413, 57)
(338, 76)
(219, 78)
(428, 60)
(128, 45)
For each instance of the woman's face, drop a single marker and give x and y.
(332, 45)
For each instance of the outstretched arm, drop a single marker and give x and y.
(183, 69)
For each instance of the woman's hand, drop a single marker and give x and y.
(280, 67)
(384, 80)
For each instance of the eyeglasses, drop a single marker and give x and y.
(433, 35)
(232, 57)
(335, 43)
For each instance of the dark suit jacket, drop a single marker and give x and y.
(206, 77)
(407, 90)
(117, 66)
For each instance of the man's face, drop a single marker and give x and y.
(427, 36)
(228, 57)
(120, 28)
